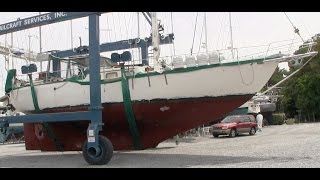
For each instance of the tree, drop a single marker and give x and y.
(302, 91)
(277, 76)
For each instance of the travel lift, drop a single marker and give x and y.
(97, 149)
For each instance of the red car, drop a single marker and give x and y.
(234, 125)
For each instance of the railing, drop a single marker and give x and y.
(274, 49)
(242, 53)
(49, 77)
(197, 59)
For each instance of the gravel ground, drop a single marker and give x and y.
(276, 146)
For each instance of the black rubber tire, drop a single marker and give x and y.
(252, 131)
(233, 133)
(216, 135)
(106, 152)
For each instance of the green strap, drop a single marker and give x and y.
(9, 81)
(52, 136)
(129, 111)
(34, 95)
(45, 125)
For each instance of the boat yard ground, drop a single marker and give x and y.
(280, 146)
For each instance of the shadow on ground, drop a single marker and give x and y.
(125, 159)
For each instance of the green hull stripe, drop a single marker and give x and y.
(129, 112)
(45, 125)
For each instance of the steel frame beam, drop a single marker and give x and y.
(95, 111)
(123, 44)
(40, 20)
(52, 117)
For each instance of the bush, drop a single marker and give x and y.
(278, 119)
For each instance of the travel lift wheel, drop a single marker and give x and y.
(94, 158)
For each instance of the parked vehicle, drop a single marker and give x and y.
(234, 125)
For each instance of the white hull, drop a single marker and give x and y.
(212, 82)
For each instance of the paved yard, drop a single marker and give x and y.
(276, 146)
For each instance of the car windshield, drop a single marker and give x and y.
(230, 119)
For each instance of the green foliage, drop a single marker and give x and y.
(277, 76)
(302, 91)
(278, 118)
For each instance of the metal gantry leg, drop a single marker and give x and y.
(97, 149)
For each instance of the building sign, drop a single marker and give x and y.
(39, 20)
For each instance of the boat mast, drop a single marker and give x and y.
(40, 41)
(174, 50)
(155, 40)
(71, 41)
(12, 61)
(11, 40)
(205, 31)
(138, 22)
(29, 55)
(6, 57)
(231, 40)
(71, 34)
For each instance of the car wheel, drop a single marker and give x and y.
(232, 133)
(252, 131)
(216, 135)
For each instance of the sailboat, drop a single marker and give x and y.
(143, 105)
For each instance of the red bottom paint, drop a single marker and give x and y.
(157, 121)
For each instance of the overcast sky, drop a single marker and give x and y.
(249, 29)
